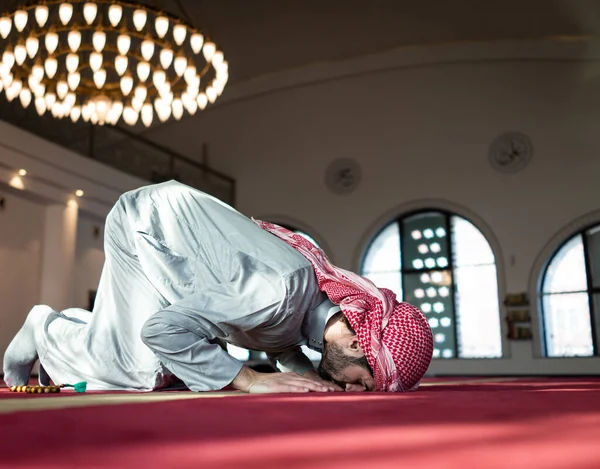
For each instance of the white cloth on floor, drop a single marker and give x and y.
(208, 273)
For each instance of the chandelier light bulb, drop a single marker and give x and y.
(100, 78)
(143, 70)
(51, 41)
(147, 49)
(65, 12)
(41, 15)
(117, 110)
(62, 88)
(163, 110)
(167, 97)
(211, 94)
(136, 104)
(96, 61)
(115, 13)
(191, 105)
(179, 33)
(75, 113)
(50, 100)
(73, 80)
(140, 93)
(177, 108)
(86, 112)
(209, 50)
(74, 40)
(189, 74)
(50, 66)
(39, 91)
(161, 25)
(32, 44)
(103, 106)
(89, 12)
(147, 114)
(121, 64)
(166, 57)
(139, 19)
(196, 42)
(180, 65)
(129, 115)
(217, 59)
(25, 97)
(20, 19)
(164, 89)
(72, 62)
(37, 71)
(158, 78)
(126, 85)
(5, 26)
(32, 82)
(99, 40)
(70, 100)
(8, 58)
(94, 118)
(7, 80)
(20, 54)
(202, 101)
(40, 105)
(123, 44)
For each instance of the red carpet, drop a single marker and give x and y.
(547, 424)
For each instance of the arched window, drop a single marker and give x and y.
(570, 296)
(441, 263)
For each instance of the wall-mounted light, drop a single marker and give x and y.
(17, 183)
(22, 172)
(79, 193)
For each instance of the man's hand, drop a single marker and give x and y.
(252, 381)
(313, 375)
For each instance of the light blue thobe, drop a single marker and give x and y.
(184, 271)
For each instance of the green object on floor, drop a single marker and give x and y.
(78, 387)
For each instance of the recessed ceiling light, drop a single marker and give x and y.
(79, 193)
(22, 172)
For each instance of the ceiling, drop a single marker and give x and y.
(262, 37)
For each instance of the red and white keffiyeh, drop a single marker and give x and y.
(395, 337)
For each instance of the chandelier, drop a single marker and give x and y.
(106, 60)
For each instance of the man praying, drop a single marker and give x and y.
(185, 273)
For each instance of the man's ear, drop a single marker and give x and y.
(353, 347)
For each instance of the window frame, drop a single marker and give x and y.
(447, 210)
(590, 291)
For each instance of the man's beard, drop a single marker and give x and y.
(335, 361)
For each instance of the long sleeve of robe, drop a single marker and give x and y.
(182, 270)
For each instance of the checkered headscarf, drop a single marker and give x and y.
(395, 337)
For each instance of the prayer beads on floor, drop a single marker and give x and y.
(36, 389)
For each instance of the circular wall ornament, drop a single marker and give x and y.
(510, 152)
(342, 176)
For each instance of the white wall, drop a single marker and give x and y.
(89, 258)
(21, 233)
(420, 123)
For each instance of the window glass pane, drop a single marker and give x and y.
(469, 245)
(566, 271)
(431, 292)
(389, 280)
(477, 311)
(425, 241)
(593, 253)
(237, 352)
(567, 325)
(383, 254)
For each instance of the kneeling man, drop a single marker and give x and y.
(185, 273)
